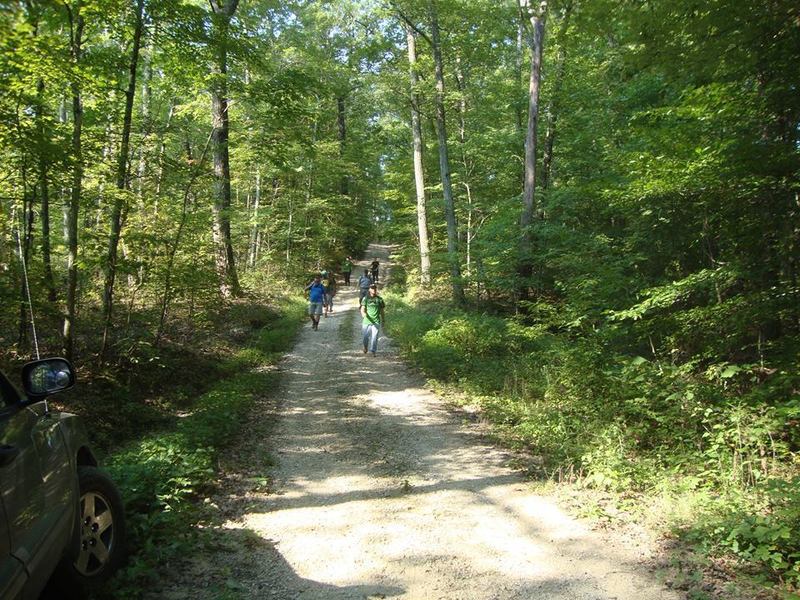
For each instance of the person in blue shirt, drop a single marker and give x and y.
(316, 298)
(363, 286)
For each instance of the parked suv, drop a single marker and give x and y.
(61, 518)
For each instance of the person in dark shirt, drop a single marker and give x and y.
(374, 266)
(329, 283)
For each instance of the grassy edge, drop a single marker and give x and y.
(699, 568)
(166, 478)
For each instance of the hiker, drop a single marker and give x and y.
(316, 297)
(363, 285)
(347, 268)
(329, 283)
(374, 265)
(372, 311)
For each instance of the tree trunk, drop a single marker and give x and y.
(342, 123)
(76, 39)
(518, 87)
(552, 105)
(25, 238)
(255, 231)
(525, 268)
(33, 14)
(276, 189)
(122, 183)
(444, 162)
(225, 260)
(465, 162)
(145, 127)
(44, 197)
(63, 192)
(162, 149)
(42, 167)
(419, 171)
(290, 222)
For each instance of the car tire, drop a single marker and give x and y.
(98, 548)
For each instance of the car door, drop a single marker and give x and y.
(21, 498)
(12, 571)
(59, 478)
(28, 488)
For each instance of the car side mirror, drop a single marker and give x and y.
(47, 376)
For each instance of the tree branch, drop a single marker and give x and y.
(407, 20)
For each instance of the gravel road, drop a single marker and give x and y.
(359, 483)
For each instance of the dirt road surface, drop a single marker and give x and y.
(359, 483)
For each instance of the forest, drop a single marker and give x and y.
(595, 208)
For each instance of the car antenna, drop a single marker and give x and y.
(28, 293)
(27, 286)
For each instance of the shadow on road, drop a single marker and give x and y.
(375, 486)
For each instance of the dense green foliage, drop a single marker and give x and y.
(654, 341)
(166, 475)
(627, 424)
(302, 190)
(658, 347)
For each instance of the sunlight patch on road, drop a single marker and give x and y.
(352, 541)
(397, 402)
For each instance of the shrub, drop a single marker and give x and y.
(163, 476)
(721, 438)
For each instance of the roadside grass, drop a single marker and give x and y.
(707, 459)
(166, 478)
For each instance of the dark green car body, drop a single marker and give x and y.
(40, 455)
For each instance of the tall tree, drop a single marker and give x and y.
(341, 120)
(444, 162)
(519, 82)
(34, 14)
(419, 171)
(466, 162)
(536, 40)
(553, 105)
(122, 177)
(222, 13)
(76, 27)
(255, 236)
(44, 196)
(25, 241)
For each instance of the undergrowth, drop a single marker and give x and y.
(167, 477)
(720, 438)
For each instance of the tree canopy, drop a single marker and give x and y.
(162, 156)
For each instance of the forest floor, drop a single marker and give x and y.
(356, 482)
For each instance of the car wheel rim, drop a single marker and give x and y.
(96, 535)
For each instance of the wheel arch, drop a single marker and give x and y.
(77, 439)
(85, 458)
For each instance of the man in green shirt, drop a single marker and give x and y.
(372, 307)
(347, 268)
